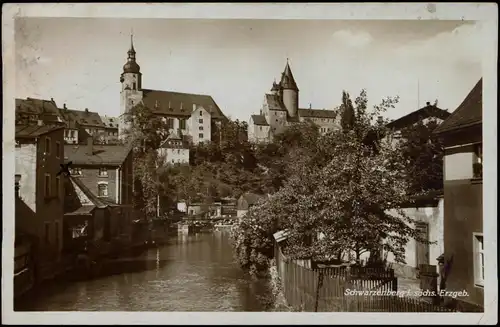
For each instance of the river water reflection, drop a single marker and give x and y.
(195, 272)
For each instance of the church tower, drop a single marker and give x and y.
(131, 93)
(289, 91)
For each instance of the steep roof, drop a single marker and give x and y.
(112, 155)
(429, 111)
(274, 103)
(34, 131)
(109, 122)
(81, 117)
(174, 141)
(252, 198)
(179, 104)
(468, 113)
(259, 120)
(317, 113)
(287, 80)
(46, 110)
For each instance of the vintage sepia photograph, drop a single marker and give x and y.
(271, 160)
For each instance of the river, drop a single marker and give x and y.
(194, 272)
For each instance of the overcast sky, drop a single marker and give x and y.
(78, 61)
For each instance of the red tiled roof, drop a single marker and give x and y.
(317, 113)
(417, 115)
(112, 155)
(468, 113)
(179, 104)
(259, 120)
(33, 131)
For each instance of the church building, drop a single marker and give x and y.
(194, 116)
(281, 109)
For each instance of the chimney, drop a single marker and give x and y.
(194, 106)
(40, 122)
(17, 185)
(90, 146)
(427, 103)
(52, 99)
(64, 106)
(310, 106)
(87, 110)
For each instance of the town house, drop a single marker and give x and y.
(39, 152)
(463, 198)
(99, 192)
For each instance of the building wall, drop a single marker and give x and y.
(240, 213)
(458, 163)
(463, 217)
(291, 101)
(325, 124)
(277, 121)
(90, 177)
(174, 155)
(199, 125)
(71, 136)
(257, 133)
(434, 217)
(26, 161)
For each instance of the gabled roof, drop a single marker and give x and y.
(110, 122)
(81, 117)
(274, 103)
(179, 104)
(317, 113)
(259, 120)
(96, 201)
(45, 110)
(252, 198)
(468, 113)
(167, 144)
(34, 131)
(111, 155)
(429, 111)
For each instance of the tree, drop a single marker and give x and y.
(423, 153)
(342, 206)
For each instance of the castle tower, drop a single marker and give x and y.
(131, 93)
(289, 91)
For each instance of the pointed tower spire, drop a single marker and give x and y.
(287, 80)
(131, 66)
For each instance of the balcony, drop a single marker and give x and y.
(477, 170)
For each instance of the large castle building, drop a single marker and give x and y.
(281, 109)
(192, 116)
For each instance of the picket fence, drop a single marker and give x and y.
(332, 289)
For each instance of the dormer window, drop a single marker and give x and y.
(477, 165)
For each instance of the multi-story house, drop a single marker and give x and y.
(80, 124)
(30, 111)
(174, 150)
(195, 115)
(281, 109)
(110, 129)
(39, 153)
(463, 198)
(101, 179)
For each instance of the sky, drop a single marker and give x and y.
(78, 61)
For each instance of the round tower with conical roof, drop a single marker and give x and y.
(131, 93)
(289, 91)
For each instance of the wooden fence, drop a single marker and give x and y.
(337, 290)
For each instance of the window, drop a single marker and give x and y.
(58, 186)
(58, 149)
(260, 127)
(170, 123)
(47, 145)
(103, 172)
(72, 133)
(47, 233)
(201, 128)
(200, 135)
(478, 259)
(47, 185)
(200, 121)
(173, 160)
(182, 124)
(102, 189)
(133, 86)
(56, 227)
(201, 113)
(477, 165)
(178, 151)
